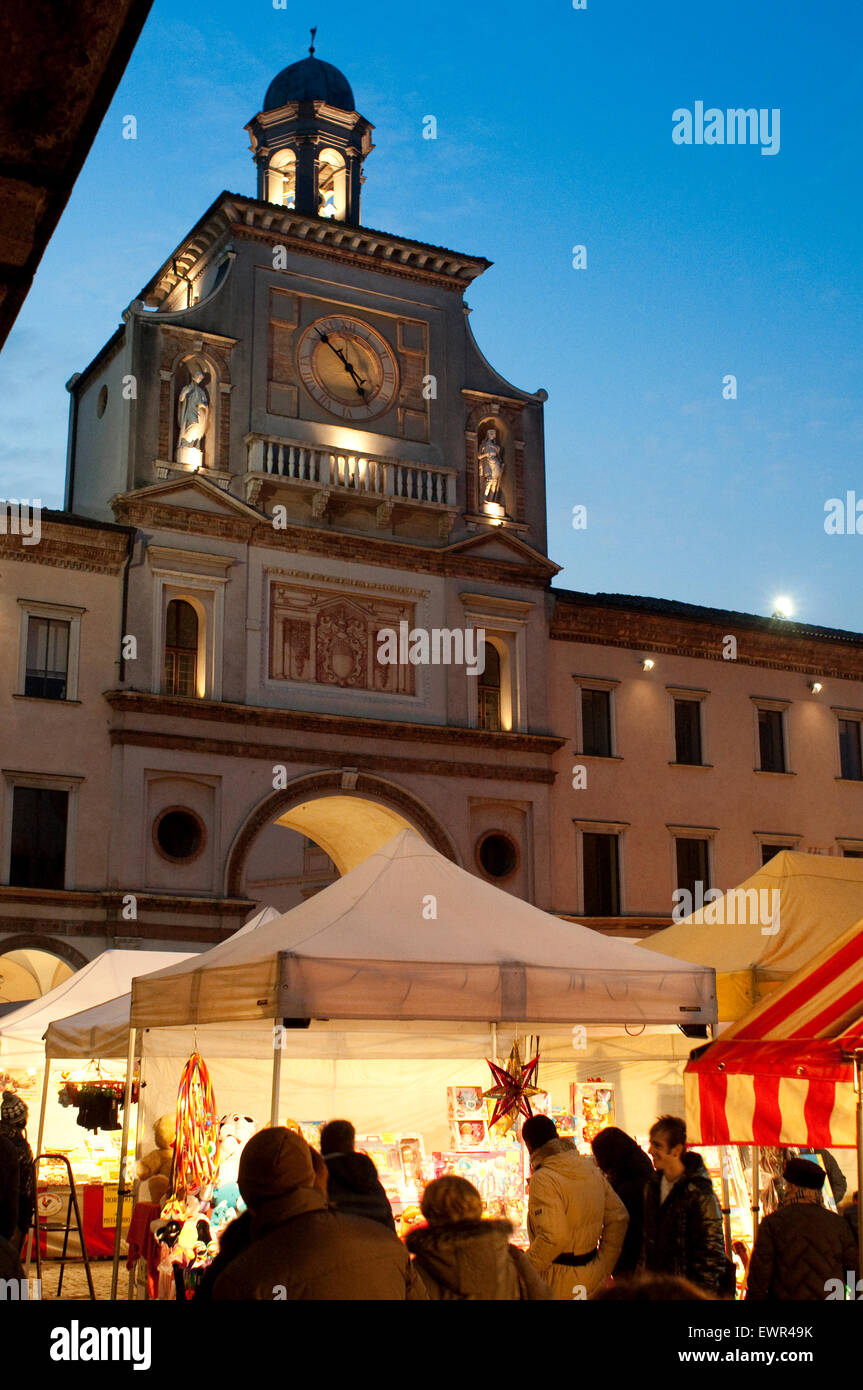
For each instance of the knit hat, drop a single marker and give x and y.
(13, 1111)
(801, 1172)
(274, 1161)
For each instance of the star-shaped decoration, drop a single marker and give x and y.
(514, 1085)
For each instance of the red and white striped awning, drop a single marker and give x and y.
(782, 1075)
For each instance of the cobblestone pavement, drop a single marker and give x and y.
(75, 1280)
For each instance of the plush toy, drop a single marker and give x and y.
(234, 1133)
(155, 1166)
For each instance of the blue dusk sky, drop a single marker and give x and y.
(554, 130)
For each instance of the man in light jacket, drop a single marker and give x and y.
(575, 1221)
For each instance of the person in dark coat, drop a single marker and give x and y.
(354, 1186)
(300, 1250)
(851, 1213)
(10, 1184)
(682, 1219)
(802, 1251)
(461, 1256)
(628, 1170)
(13, 1122)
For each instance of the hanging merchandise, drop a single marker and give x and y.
(196, 1156)
(97, 1102)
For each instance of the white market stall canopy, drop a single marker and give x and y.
(757, 935)
(101, 979)
(408, 935)
(103, 1030)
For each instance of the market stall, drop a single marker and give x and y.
(77, 1099)
(384, 997)
(789, 1073)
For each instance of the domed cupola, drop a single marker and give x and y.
(309, 143)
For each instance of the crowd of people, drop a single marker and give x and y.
(618, 1225)
(622, 1224)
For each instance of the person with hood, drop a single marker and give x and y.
(682, 1219)
(461, 1256)
(802, 1250)
(575, 1221)
(353, 1183)
(299, 1248)
(13, 1122)
(628, 1169)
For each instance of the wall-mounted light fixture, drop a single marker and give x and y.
(816, 687)
(647, 663)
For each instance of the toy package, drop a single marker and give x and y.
(468, 1122)
(592, 1105)
(498, 1176)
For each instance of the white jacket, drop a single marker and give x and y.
(572, 1210)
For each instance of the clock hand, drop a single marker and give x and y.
(357, 379)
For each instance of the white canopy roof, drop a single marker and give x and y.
(103, 1030)
(108, 975)
(409, 935)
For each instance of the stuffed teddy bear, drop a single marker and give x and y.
(155, 1166)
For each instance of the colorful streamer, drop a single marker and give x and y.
(196, 1156)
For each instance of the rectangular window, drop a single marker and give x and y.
(687, 731)
(38, 858)
(601, 875)
(849, 750)
(47, 658)
(693, 865)
(769, 852)
(852, 854)
(771, 741)
(596, 722)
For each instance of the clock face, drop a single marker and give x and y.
(347, 368)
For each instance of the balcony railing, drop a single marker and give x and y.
(373, 475)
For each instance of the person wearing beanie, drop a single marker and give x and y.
(801, 1249)
(353, 1184)
(575, 1220)
(18, 1189)
(462, 1256)
(301, 1249)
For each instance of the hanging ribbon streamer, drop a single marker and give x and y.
(196, 1156)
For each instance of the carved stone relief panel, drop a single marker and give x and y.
(328, 639)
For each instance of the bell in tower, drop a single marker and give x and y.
(309, 143)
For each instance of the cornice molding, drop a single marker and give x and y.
(330, 757)
(673, 636)
(262, 717)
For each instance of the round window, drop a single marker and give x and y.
(102, 402)
(179, 834)
(497, 854)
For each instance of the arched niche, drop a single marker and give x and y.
(196, 403)
(495, 468)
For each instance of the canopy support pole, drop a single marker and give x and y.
(124, 1144)
(33, 1232)
(859, 1091)
(278, 1044)
(132, 1290)
(756, 1189)
(723, 1169)
(494, 1043)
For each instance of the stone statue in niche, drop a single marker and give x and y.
(193, 414)
(491, 466)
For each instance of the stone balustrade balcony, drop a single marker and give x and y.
(335, 480)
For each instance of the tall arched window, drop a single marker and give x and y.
(181, 648)
(488, 691)
(332, 185)
(282, 182)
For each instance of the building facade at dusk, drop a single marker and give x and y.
(292, 446)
